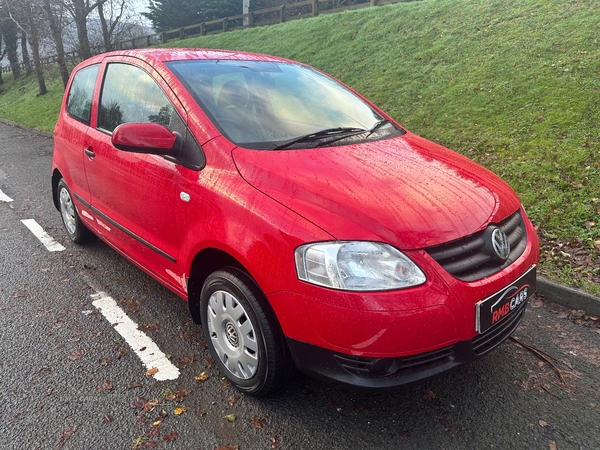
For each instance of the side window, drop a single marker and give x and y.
(130, 95)
(79, 103)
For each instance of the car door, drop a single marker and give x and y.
(71, 133)
(134, 195)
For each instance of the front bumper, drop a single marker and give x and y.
(389, 373)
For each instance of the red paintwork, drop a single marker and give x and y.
(405, 191)
(145, 136)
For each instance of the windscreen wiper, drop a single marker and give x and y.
(321, 135)
(377, 125)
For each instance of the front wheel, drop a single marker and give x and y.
(76, 230)
(242, 333)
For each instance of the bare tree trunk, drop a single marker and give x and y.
(1, 58)
(34, 41)
(58, 41)
(25, 54)
(105, 30)
(80, 16)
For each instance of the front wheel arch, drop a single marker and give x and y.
(225, 292)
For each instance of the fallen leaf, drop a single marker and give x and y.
(180, 395)
(429, 395)
(105, 387)
(170, 437)
(258, 422)
(183, 362)
(543, 423)
(149, 327)
(44, 371)
(138, 402)
(552, 445)
(150, 405)
(65, 434)
(105, 362)
(107, 418)
(187, 336)
(77, 354)
(202, 377)
(233, 399)
(180, 410)
(152, 371)
(135, 385)
(228, 447)
(231, 417)
(132, 306)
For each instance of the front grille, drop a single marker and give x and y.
(497, 334)
(469, 258)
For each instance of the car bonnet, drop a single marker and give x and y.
(406, 191)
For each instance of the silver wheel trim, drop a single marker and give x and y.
(232, 335)
(67, 209)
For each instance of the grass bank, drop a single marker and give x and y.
(512, 84)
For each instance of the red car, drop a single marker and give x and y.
(303, 225)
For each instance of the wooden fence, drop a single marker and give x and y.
(268, 16)
(263, 17)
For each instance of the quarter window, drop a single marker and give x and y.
(79, 103)
(130, 95)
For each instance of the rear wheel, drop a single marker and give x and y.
(76, 230)
(242, 333)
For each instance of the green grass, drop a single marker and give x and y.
(512, 84)
(19, 100)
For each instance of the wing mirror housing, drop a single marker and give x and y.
(149, 138)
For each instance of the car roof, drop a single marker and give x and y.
(155, 55)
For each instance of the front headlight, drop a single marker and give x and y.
(356, 266)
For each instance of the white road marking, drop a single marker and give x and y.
(49, 242)
(5, 198)
(149, 353)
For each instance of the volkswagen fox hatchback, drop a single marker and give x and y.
(303, 225)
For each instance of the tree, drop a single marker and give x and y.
(80, 10)
(171, 14)
(2, 53)
(26, 15)
(52, 12)
(25, 54)
(110, 15)
(217, 9)
(10, 34)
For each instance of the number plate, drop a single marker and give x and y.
(501, 305)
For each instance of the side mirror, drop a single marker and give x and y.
(146, 138)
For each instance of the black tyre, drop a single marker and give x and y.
(76, 230)
(243, 334)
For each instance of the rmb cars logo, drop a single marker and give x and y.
(510, 300)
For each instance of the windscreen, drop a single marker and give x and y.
(269, 105)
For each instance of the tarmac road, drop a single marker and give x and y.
(68, 379)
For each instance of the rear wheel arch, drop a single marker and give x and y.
(56, 177)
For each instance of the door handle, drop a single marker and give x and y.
(89, 152)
